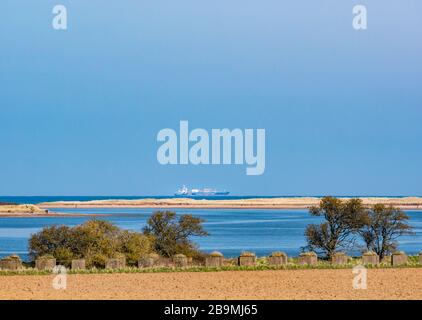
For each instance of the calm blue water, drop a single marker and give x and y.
(231, 230)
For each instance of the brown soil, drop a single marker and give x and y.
(280, 284)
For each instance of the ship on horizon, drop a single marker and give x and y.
(205, 192)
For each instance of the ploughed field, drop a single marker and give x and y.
(401, 283)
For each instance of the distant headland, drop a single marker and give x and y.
(406, 203)
(30, 210)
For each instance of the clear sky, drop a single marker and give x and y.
(80, 109)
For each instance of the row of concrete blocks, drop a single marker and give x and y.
(178, 260)
(278, 259)
(215, 260)
(50, 263)
(80, 264)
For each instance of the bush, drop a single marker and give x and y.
(134, 246)
(95, 241)
(48, 240)
(63, 256)
(95, 236)
(96, 260)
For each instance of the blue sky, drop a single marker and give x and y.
(80, 109)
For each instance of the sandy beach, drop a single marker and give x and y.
(32, 211)
(49, 215)
(409, 203)
(23, 209)
(279, 284)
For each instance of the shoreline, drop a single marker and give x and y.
(50, 215)
(408, 203)
(32, 211)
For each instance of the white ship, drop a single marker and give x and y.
(207, 192)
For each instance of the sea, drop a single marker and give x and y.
(231, 231)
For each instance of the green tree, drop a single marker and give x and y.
(63, 256)
(51, 240)
(134, 245)
(172, 234)
(95, 236)
(343, 219)
(383, 226)
(94, 240)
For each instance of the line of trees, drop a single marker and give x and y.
(98, 240)
(347, 220)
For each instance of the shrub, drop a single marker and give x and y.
(48, 240)
(95, 236)
(96, 260)
(63, 256)
(134, 245)
(95, 241)
(118, 255)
